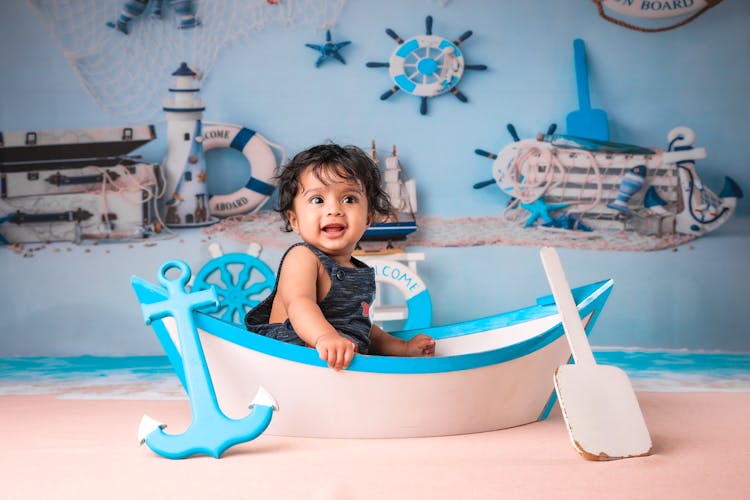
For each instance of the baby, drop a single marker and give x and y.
(329, 195)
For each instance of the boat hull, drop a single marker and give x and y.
(488, 374)
(389, 231)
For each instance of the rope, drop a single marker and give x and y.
(128, 183)
(527, 187)
(600, 8)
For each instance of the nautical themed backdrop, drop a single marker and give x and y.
(251, 67)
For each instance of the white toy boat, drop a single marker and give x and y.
(403, 196)
(488, 374)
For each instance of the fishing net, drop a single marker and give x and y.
(127, 74)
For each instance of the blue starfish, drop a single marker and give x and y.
(329, 49)
(541, 209)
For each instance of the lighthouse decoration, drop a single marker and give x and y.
(185, 164)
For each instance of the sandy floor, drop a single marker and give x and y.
(54, 448)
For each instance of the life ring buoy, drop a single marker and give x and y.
(411, 286)
(262, 162)
(684, 10)
(426, 65)
(657, 8)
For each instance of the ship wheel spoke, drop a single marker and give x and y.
(244, 274)
(388, 93)
(257, 288)
(226, 277)
(223, 307)
(458, 94)
(229, 315)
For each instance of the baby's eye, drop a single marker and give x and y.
(351, 199)
(316, 200)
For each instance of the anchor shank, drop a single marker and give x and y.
(197, 379)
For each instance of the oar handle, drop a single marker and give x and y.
(582, 74)
(566, 306)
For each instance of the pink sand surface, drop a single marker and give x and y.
(55, 448)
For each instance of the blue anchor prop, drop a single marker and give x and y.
(210, 432)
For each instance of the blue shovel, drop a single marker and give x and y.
(585, 122)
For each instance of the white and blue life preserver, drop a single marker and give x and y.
(658, 8)
(411, 286)
(426, 65)
(262, 162)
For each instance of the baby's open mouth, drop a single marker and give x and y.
(334, 229)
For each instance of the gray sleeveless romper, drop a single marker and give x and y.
(346, 306)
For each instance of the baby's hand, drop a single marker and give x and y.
(335, 349)
(420, 345)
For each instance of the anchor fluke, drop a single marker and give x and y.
(147, 426)
(211, 435)
(264, 398)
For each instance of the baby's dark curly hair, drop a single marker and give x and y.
(327, 160)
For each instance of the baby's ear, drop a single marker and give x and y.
(292, 218)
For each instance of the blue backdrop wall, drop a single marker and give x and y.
(68, 300)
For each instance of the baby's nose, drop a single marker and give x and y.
(334, 207)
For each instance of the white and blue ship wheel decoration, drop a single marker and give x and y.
(426, 65)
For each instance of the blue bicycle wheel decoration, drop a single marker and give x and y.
(426, 66)
(241, 282)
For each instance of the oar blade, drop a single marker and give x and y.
(589, 123)
(601, 412)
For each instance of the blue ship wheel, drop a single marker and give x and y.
(241, 282)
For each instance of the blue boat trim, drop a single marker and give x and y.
(590, 300)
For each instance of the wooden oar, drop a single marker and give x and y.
(598, 403)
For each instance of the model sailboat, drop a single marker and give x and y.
(403, 196)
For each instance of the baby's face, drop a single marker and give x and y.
(331, 215)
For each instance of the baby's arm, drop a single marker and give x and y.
(297, 290)
(382, 342)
